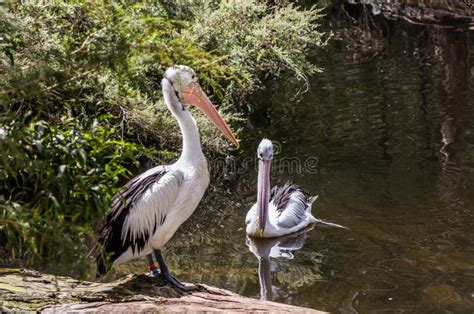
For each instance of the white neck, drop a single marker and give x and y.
(191, 142)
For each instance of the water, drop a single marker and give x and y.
(384, 136)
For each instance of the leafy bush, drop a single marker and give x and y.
(259, 39)
(87, 59)
(58, 179)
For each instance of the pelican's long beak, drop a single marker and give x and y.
(263, 197)
(194, 95)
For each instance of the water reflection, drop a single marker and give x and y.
(452, 50)
(275, 248)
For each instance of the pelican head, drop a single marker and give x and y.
(265, 150)
(180, 76)
(184, 81)
(265, 156)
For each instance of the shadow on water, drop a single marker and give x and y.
(388, 130)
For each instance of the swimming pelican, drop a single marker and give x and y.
(151, 207)
(281, 211)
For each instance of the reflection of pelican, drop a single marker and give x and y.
(151, 207)
(263, 249)
(281, 211)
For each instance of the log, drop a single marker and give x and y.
(29, 290)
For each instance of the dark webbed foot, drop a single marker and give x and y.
(173, 281)
(166, 273)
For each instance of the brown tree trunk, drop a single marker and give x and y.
(26, 290)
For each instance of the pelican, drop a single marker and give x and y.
(281, 211)
(150, 208)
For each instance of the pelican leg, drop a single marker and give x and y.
(154, 272)
(166, 273)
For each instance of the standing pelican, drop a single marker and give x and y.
(281, 211)
(151, 207)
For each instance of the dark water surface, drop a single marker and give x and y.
(385, 137)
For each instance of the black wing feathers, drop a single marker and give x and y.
(111, 231)
(281, 196)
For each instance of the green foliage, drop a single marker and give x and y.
(79, 55)
(258, 39)
(58, 179)
(86, 59)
